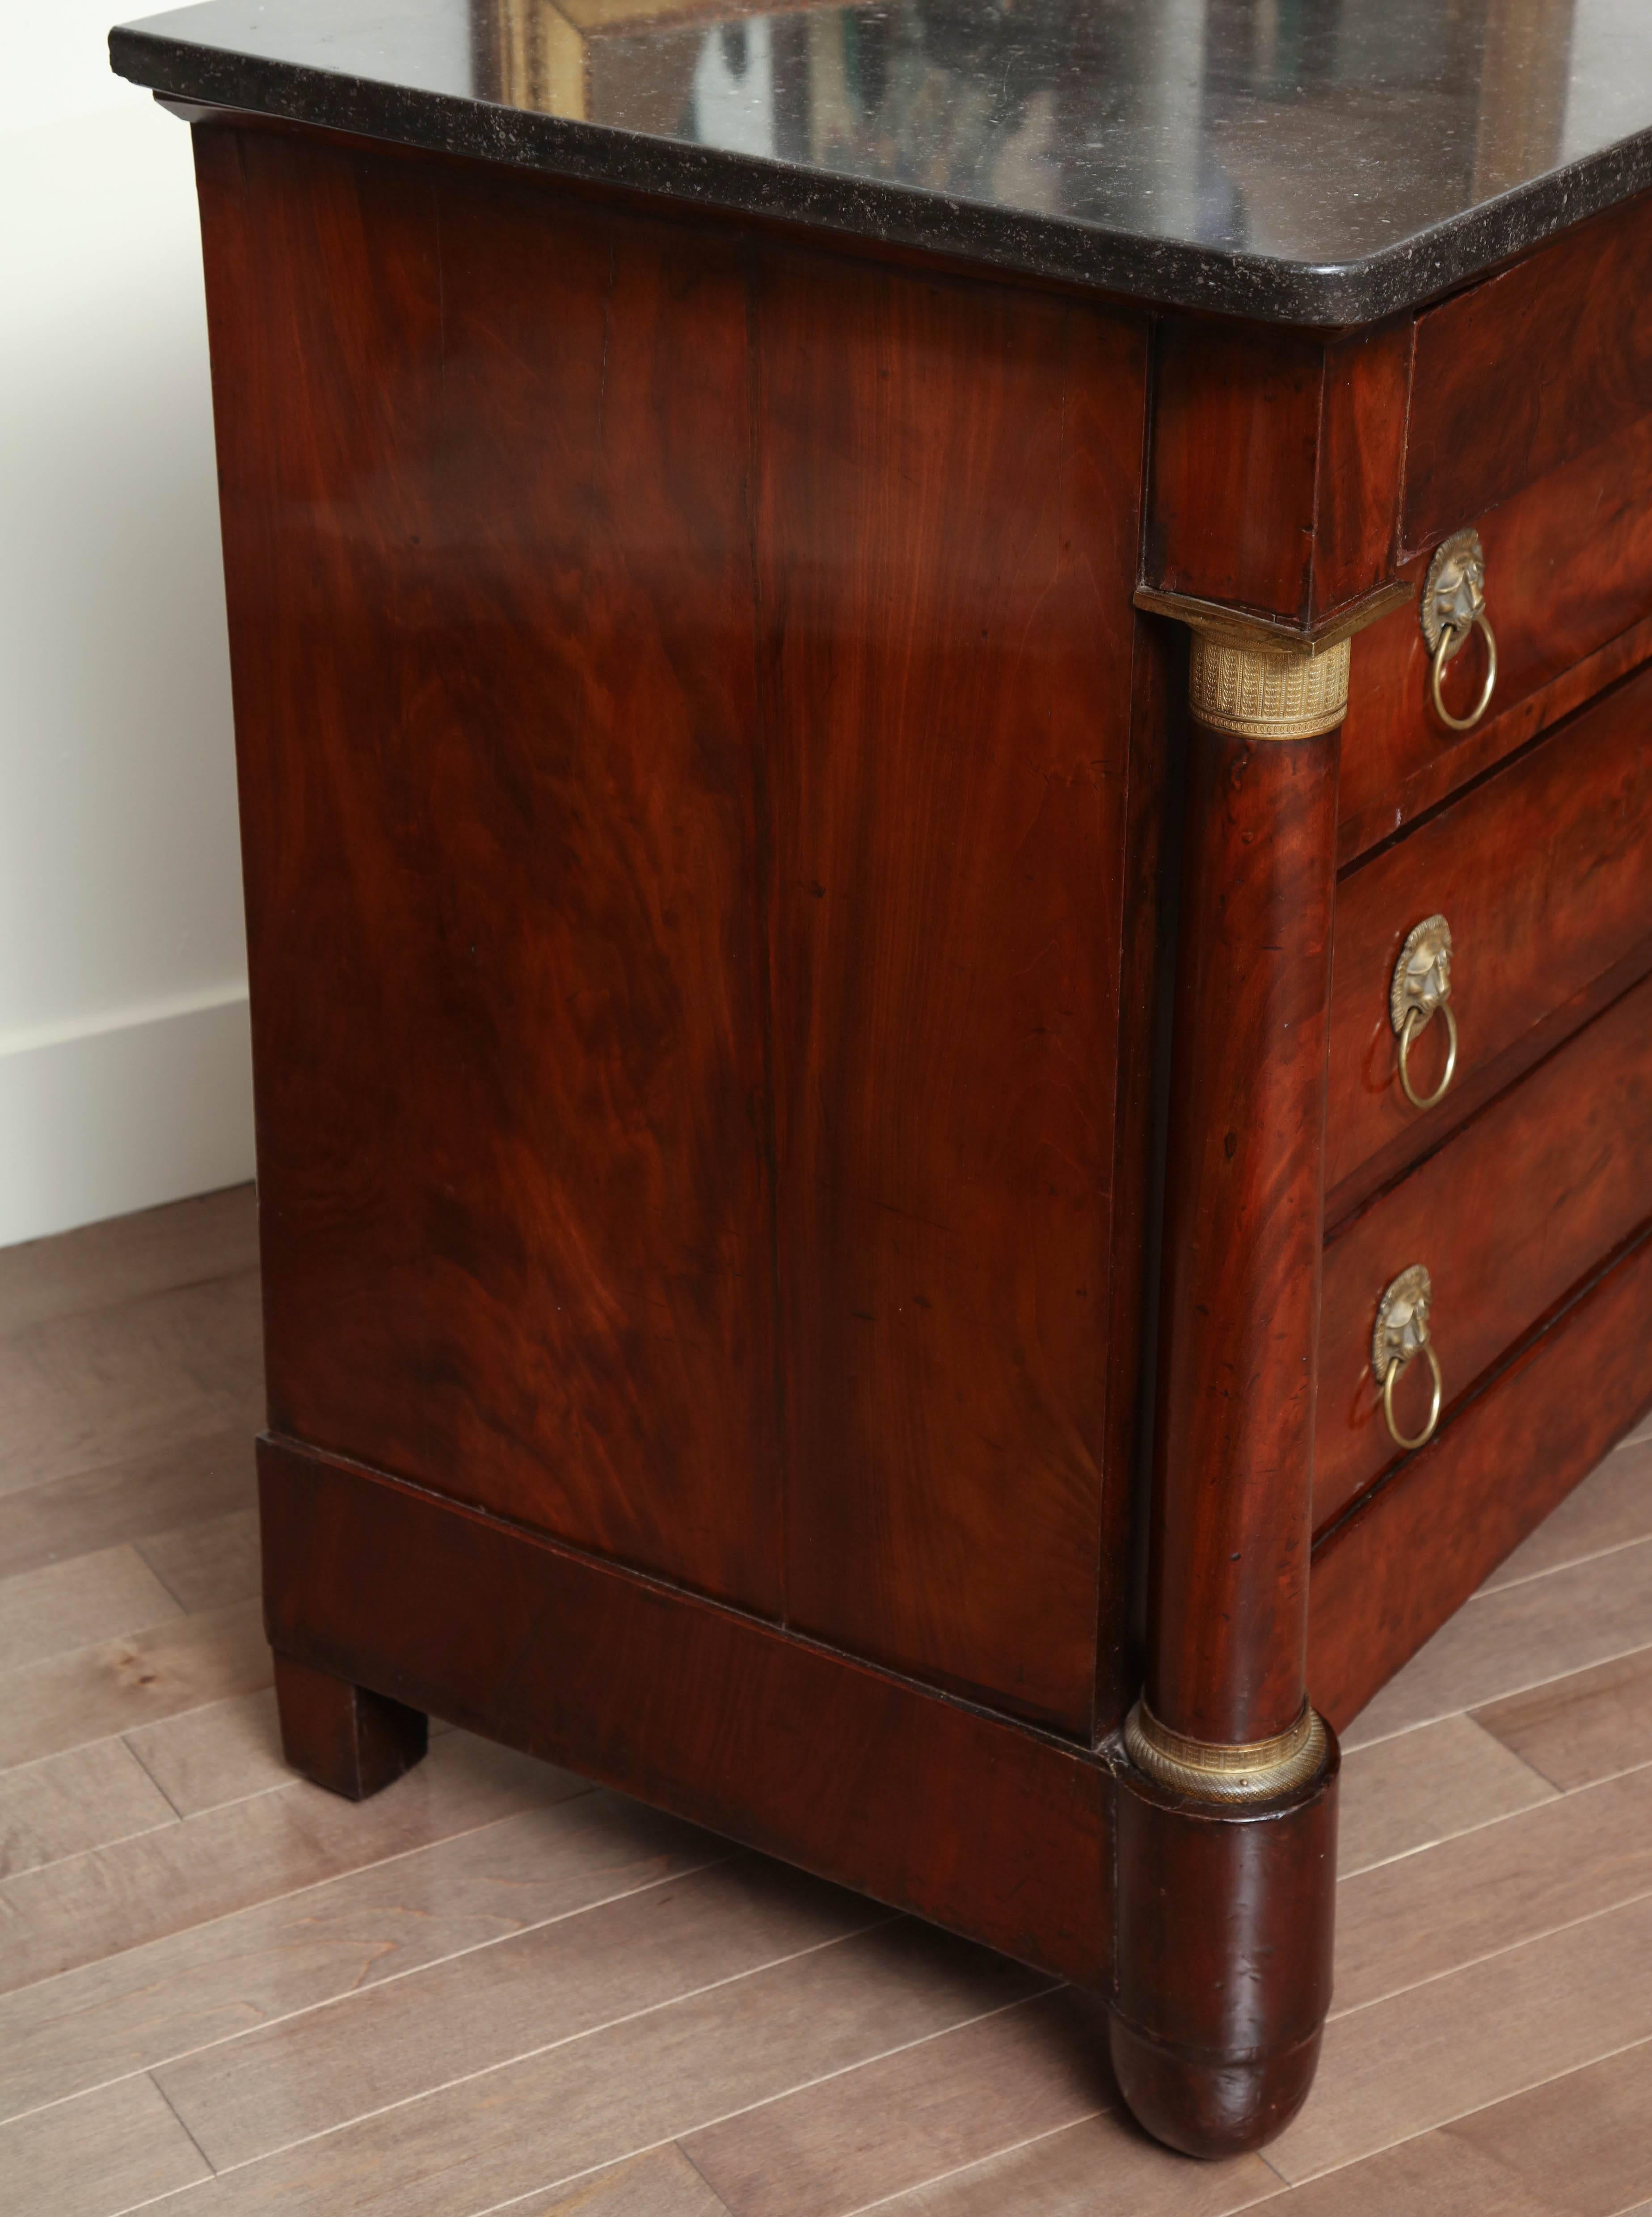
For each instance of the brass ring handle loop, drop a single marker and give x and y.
(1415, 1022)
(1396, 1369)
(1450, 640)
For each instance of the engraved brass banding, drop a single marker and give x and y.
(1207, 1770)
(1265, 694)
(1421, 989)
(1401, 1335)
(1453, 605)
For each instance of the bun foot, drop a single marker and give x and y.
(341, 1736)
(1223, 1971)
(1210, 2106)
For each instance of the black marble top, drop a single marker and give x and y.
(1308, 161)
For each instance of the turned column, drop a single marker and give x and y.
(1226, 1857)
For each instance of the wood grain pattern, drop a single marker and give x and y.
(1577, 808)
(1436, 2051)
(531, 2124)
(1580, 307)
(474, 2012)
(1228, 1573)
(213, 1981)
(1573, 1857)
(1516, 1209)
(1399, 1566)
(1100, 2168)
(47, 1612)
(1611, 1509)
(185, 1482)
(110, 2151)
(104, 1385)
(115, 1684)
(1524, 1637)
(1411, 1792)
(1586, 1725)
(207, 1564)
(500, 829)
(1234, 449)
(1579, 2144)
(949, 688)
(142, 1889)
(222, 1751)
(1568, 571)
(72, 1802)
(891, 2124)
(967, 1819)
(155, 1250)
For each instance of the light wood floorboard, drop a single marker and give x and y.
(492, 1989)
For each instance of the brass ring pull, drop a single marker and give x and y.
(1397, 1370)
(1416, 1022)
(1401, 1335)
(1419, 990)
(1453, 605)
(1450, 640)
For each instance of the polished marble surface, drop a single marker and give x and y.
(1300, 160)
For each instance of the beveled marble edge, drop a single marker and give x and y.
(1162, 273)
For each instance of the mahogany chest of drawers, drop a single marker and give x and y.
(950, 901)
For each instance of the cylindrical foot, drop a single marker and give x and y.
(341, 1736)
(1203, 2106)
(1225, 1918)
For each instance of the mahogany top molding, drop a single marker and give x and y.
(1324, 166)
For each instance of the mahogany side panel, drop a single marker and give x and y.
(986, 1827)
(948, 517)
(1544, 875)
(1517, 376)
(1569, 582)
(1242, 1241)
(1508, 1216)
(1390, 1574)
(483, 450)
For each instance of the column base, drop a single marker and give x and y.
(1225, 1918)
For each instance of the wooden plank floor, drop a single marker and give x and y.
(493, 1988)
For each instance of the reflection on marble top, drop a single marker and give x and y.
(1302, 160)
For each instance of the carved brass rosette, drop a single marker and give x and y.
(1248, 1770)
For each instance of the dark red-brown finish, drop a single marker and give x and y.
(781, 1292)
(1515, 377)
(968, 1819)
(351, 1741)
(1228, 1578)
(1216, 2021)
(1276, 465)
(946, 527)
(1569, 582)
(1390, 1574)
(1576, 809)
(1508, 1216)
(486, 542)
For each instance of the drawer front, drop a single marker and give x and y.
(1568, 589)
(1543, 872)
(1507, 1218)
(1514, 378)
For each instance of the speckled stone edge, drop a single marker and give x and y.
(1164, 273)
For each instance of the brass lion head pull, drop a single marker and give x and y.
(1453, 604)
(1419, 990)
(1402, 1335)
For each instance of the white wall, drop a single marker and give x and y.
(124, 1068)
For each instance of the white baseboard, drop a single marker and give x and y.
(124, 1114)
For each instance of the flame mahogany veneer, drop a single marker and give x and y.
(780, 1046)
